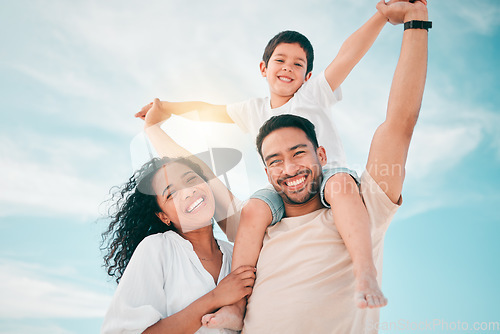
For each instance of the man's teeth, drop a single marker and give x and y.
(296, 182)
(195, 205)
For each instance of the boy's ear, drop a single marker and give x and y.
(308, 76)
(263, 68)
(321, 152)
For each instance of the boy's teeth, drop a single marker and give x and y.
(194, 205)
(285, 79)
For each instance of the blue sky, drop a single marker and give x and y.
(73, 74)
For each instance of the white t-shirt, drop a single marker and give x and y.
(305, 280)
(312, 101)
(163, 276)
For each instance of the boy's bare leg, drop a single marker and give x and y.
(256, 216)
(352, 221)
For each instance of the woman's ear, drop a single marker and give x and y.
(164, 218)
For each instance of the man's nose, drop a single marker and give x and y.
(290, 168)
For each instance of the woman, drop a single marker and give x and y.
(162, 251)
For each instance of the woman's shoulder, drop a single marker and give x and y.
(155, 241)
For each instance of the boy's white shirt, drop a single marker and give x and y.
(312, 101)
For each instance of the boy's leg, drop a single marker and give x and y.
(352, 221)
(263, 209)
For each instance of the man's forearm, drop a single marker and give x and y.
(409, 78)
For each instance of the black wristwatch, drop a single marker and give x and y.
(416, 24)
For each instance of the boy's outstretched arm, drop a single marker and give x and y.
(354, 48)
(198, 111)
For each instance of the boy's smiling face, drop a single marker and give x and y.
(285, 72)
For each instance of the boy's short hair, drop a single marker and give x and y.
(290, 37)
(286, 121)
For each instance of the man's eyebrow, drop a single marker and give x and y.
(293, 148)
(270, 156)
(297, 146)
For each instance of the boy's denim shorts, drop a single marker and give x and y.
(275, 202)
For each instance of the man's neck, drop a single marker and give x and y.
(295, 210)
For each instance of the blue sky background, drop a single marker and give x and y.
(72, 74)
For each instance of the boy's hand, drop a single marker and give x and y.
(398, 11)
(154, 113)
(142, 114)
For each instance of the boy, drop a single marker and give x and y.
(287, 64)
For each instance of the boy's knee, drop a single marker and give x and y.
(256, 208)
(341, 183)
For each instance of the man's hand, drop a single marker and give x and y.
(153, 113)
(398, 12)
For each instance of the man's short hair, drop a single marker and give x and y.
(290, 37)
(286, 121)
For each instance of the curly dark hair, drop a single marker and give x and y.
(133, 216)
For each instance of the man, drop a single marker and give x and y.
(305, 280)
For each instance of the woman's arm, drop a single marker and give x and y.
(227, 205)
(140, 299)
(232, 288)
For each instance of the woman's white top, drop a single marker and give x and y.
(163, 276)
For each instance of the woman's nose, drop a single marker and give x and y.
(188, 192)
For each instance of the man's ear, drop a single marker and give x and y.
(164, 218)
(321, 152)
(308, 76)
(268, 176)
(263, 69)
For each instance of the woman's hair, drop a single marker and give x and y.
(133, 216)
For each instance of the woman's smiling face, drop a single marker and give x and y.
(184, 197)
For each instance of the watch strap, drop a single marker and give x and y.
(416, 24)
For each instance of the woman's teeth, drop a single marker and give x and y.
(195, 205)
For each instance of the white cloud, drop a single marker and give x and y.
(481, 16)
(436, 149)
(32, 291)
(53, 175)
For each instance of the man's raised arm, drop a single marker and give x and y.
(389, 148)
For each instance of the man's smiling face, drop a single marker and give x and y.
(293, 164)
